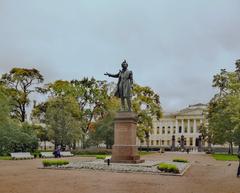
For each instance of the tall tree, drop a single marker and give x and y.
(92, 96)
(146, 103)
(223, 110)
(62, 119)
(13, 136)
(103, 131)
(21, 82)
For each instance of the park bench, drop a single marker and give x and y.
(66, 154)
(21, 155)
(46, 154)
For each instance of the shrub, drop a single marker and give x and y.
(165, 167)
(96, 151)
(47, 163)
(101, 156)
(180, 160)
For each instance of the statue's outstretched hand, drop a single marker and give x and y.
(107, 74)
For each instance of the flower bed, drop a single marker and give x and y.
(180, 160)
(48, 163)
(165, 167)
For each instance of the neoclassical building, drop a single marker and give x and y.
(182, 124)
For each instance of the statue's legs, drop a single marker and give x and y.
(123, 104)
(129, 104)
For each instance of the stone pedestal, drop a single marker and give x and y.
(125, 148)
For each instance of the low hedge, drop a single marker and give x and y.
(92, 151)
(165, 167)
(101, 156)
(47, 163)
(180, 160)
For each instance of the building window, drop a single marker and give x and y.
(191, 130)
(157, 142)
(163, 130)
(152, 142)
(190, 141)
(162, 142)
(157, 130)
(180, 129)
(185, 130)
(168, 142)
(174, 129)
(169, 129)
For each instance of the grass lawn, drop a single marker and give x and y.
(141, 153)
(5, 158)
(225, 157)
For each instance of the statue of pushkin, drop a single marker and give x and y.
(124, 85)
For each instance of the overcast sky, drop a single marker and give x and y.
(173, 46)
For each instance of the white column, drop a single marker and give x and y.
(194, 126)
(194, 142)
(176, 126)
(182, 125)
(188, 125)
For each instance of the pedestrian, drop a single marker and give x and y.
(57, 152)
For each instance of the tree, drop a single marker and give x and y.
(42, 133)
(146, 103)
(19, 82)
(103, 131)
(62, 119)
(13, 136)
(223, 110)
(90, 94)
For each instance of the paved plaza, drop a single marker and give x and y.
(204, 176)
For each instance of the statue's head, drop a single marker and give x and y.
(124, 64)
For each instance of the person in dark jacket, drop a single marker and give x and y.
(57, 152)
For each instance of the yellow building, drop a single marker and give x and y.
(185, 122)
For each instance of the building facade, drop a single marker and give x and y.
(180, 129)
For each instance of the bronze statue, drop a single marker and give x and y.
(124, 85)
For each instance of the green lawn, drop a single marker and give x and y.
(5, 158)
(225, 157)
(141, 153)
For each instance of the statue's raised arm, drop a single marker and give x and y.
(124, 85)
(112, 75)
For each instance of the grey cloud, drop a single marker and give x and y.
(173, 46)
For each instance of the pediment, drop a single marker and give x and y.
(190, 112)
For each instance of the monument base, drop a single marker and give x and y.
(125, 149)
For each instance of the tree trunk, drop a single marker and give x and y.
(209, 146)
(230, 150)
(23, 113)
(74, 144)
(45, 145)
(147, 140)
